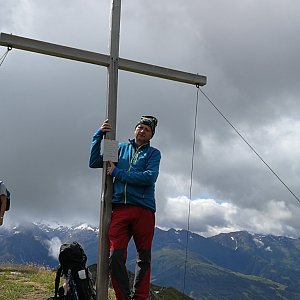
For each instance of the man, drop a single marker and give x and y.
(133, 205)
(3, 200)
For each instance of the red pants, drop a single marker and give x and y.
(131, 221)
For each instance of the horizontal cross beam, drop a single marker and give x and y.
(31, 45)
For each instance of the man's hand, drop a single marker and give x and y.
(106, 127)
(110, 168)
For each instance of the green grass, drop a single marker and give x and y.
(27, 282)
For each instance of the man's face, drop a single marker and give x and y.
(142, 134)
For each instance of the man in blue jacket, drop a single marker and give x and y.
(133, 205)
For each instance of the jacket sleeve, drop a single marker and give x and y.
(2, 189)
(146, 177)
(96, 159)
(3, 200)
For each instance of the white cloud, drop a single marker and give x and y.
(209, 217)
(50, 108)
(54, 246)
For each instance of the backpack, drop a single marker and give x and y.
(78, 284)
(7, 198)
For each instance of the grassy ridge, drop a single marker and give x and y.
(27, 282)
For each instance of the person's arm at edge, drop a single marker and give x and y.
(3, 206)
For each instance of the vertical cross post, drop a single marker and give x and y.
(107, 184)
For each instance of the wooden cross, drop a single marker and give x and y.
(113, 63)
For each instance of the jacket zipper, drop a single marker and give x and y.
(133, 160)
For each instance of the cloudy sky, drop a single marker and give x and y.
(50, 108)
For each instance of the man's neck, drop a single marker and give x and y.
(139, 144)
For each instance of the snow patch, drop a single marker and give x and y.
(54, 225)
(84, 226)
(258, 243)
(269, 249)
(236, 243)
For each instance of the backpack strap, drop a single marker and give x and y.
(57, 280)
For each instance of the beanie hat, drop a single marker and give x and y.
(149, 121)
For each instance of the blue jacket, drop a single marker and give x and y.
(135, 173)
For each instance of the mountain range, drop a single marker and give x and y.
(237, 265)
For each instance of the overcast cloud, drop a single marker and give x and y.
(50, 108)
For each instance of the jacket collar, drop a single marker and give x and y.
(132, 142)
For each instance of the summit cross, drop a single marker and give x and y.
(113, 63)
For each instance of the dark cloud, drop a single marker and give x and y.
(50, 108)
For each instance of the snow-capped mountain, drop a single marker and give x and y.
(39, 243)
